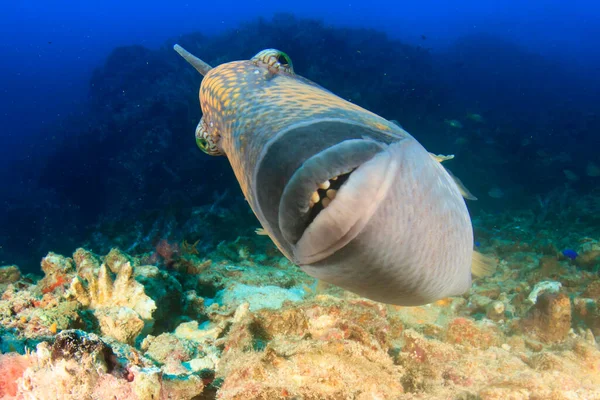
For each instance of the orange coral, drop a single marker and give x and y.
(60, 280)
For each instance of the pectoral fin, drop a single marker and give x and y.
(483, 265)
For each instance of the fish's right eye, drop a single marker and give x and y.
(202, 144)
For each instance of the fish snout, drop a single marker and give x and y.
(394, 229)
(332, 197)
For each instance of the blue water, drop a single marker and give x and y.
(72, 163)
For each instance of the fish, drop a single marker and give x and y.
(570, 254)
(454, 123)
(476, 118)
(496, 193)
(351, 198)
(592, 169)
(570, 175)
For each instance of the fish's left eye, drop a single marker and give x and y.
(285, 60)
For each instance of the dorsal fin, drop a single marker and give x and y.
(441, 158)
(197, 63)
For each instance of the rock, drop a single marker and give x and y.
(421, 359)
(543, 287)
(165, 291)
(468, 333)
(120, 323)
(586, 313)
(588, 259)
(115, 259)
(495, 311)
(259, 297)
(167, 346)
(592, 291)
(9, 274)
(58, 272)
(85, 261)
(549, 320)
(55, 263)
(76, 344)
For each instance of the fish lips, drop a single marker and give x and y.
(371, 173)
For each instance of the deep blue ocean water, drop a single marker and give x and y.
(98, 113)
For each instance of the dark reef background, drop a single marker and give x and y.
(124, 170)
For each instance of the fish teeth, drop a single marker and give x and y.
(325, 185)
(331, 194)
(325, 202)
(315, 197)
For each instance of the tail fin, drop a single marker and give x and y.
(483, 265)
(197, 63)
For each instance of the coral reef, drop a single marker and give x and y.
(247, 324)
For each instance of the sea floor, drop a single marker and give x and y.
(243, 323)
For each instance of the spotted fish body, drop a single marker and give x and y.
(395, 229)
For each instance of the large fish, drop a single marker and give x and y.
(347, 195)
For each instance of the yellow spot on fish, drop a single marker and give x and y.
(380, 126)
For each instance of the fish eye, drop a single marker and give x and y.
(284, 60)
(202, 144)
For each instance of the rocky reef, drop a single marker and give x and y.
(241, 322)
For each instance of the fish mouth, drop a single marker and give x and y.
(331, 197)
(324, 195)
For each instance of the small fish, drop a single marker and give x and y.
(351, 198)
(476, 118)
(592, 170)
(570, 254)
(454, 123)
(570, 175)
(496, 193)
